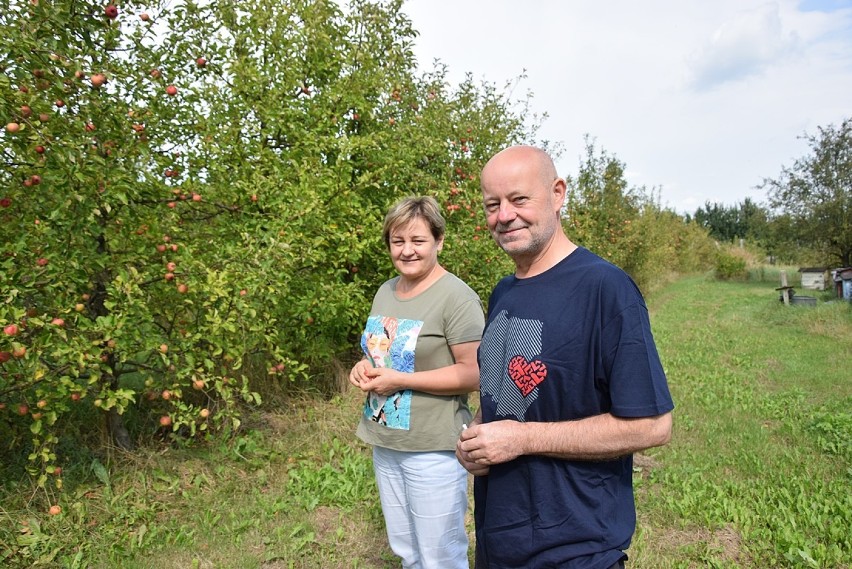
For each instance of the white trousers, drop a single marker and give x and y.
(424, 500)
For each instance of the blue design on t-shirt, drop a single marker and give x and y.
(390, 342)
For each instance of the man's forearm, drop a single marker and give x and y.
(601, 437)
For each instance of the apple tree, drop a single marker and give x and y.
(192, 197)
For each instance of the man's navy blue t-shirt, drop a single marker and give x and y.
(572, 342)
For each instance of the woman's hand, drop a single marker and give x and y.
(382, 380)
(358, 375)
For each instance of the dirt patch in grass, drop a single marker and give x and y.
(345, 532)
(723, 544)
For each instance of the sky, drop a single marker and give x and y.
(701, 100)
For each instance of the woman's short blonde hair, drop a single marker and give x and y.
(409, 209)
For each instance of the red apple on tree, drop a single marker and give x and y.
(144, 17)
(26, 111)
(98, 79)
(200, 62)
(23, 409)
(11, 330)
(19, 351)
(165, 421)
(12, 127)
(111, 11)
(171, 90)
(58, 322)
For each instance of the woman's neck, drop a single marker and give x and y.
(409, 288)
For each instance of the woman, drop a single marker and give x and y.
(420, 343)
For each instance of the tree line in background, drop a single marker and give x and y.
(192, 197)
(808, 218)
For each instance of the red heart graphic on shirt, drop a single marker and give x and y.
(527, 374)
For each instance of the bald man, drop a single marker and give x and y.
(571, 386)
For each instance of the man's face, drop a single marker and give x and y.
(521, 210)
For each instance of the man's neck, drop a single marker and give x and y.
(556, 250)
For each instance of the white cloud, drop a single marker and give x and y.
(699, 99)
(745, 45)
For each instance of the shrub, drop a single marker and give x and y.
(729, 266)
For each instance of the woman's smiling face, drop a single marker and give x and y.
(414, 250)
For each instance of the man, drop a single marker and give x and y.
(570, 386)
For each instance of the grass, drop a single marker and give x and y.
(757, 474)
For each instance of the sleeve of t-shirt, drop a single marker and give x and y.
(466, 320)
(637, 381)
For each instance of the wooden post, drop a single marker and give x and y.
(785, 290)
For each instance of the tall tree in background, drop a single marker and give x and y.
(745, 220)
(626, 225)
(816, 193)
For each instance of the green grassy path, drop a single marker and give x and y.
(758, 472)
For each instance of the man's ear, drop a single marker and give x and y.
(558, 191)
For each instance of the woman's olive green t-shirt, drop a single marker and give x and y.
(415, 334)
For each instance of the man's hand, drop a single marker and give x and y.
(497, 442)
(464, 457)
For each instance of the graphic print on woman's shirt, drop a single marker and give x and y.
(511, 371)
(390, 342)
